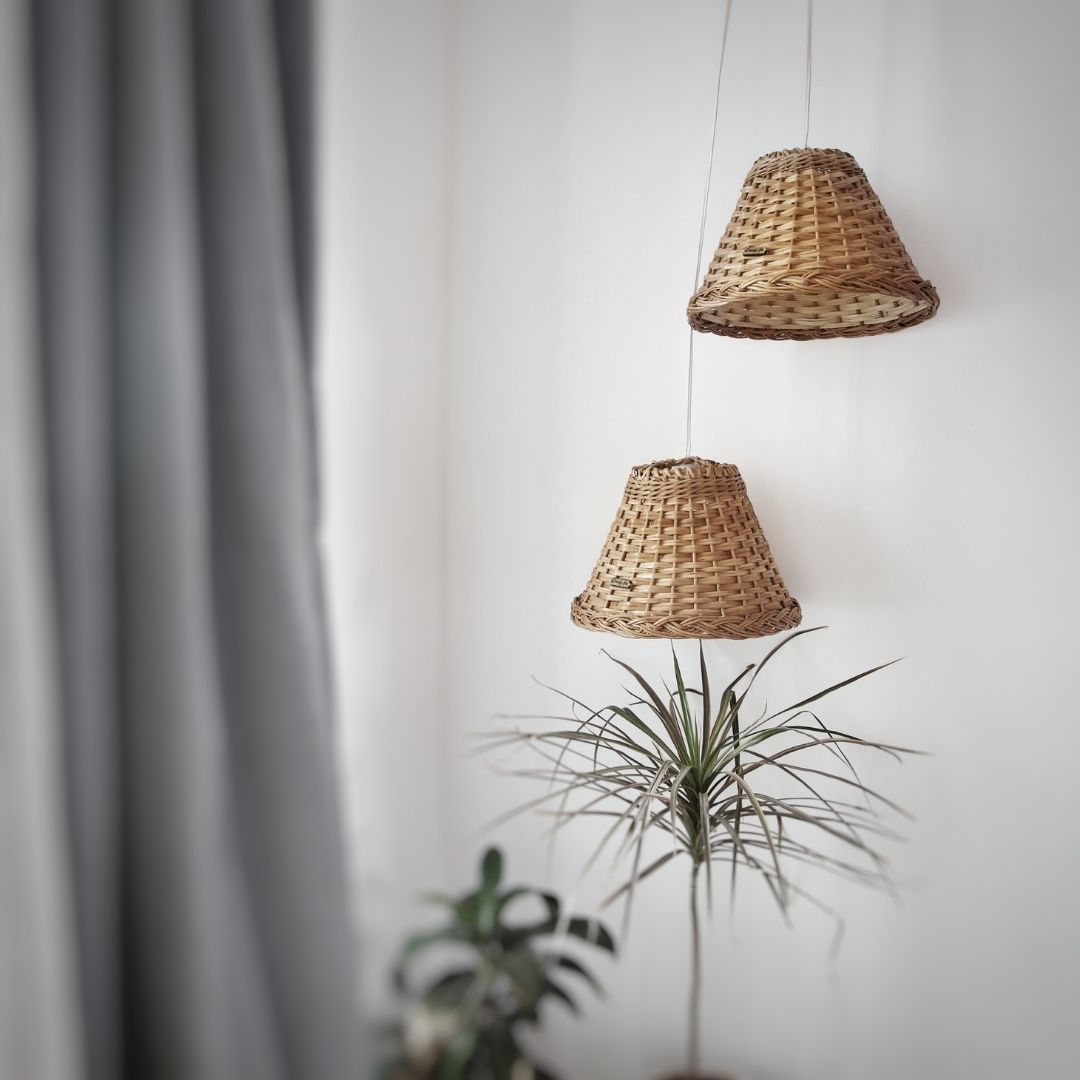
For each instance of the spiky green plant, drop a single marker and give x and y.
(727, 788)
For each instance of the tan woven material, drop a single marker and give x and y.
(686, 557)
(810, 253)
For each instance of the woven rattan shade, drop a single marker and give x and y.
(686, 557)
(810, 253)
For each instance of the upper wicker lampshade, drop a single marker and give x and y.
(810, 253)
(686, 557)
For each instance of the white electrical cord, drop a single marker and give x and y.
(809, 67)
(704, 215)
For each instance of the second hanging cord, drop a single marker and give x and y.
(809, 67)
(704, 216)
(708, 182)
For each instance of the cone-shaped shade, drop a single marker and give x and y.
(686, 557)
(810, 253)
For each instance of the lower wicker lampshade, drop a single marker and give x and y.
(810, 253)
(686, 557)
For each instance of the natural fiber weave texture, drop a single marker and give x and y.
(686, 557)
(810, 253)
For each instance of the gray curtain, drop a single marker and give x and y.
(174, 295)
(38, 1016)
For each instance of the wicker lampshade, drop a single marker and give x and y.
(810, 253)
(686, 557)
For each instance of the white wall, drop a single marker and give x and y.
(918, 489)
(382, 348)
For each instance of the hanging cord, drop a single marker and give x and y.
(809, 67)
(701, 230)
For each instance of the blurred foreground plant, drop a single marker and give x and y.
(465, 1024)
(761, 793)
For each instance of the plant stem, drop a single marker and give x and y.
(694, 1042)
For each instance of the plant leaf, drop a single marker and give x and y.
(526, 973)
(453, 1065)
(448, 990)
(419, 942)
(706, 708)
(772, 652)
(593, 931)
(658, 707)
(556, 990)
(836, 686)
(571, 964)
(491, 869)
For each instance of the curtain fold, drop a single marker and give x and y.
(71, 135)
(174, 237)
(39, 1024)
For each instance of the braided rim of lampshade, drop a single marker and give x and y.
(810, 253)
(686, 558)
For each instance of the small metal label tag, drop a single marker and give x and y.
(755, 251)
(621, 583)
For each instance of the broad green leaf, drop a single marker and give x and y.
(574, 965)
(419, 942)
(455, 1061)
(526, 973)
(593, 931)
(448, 990)
(563, 995)
(491, 869)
